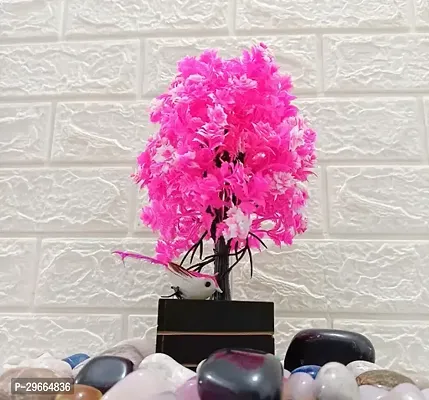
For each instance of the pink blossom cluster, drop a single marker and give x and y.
(231, 152)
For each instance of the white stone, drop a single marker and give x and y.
(64, 199)
(365, 129)
(70, 269)
(376, 62)
(408, 391)
(17, 267)
(301, 14)
(335, 382)
(295, 54)
(27, 335)
(371, 392)
(385, 200)
(101, 132)
(24, 132)
(97, 16)
(425, 393)
(68, 68)
(29, 18)
(359, 367)
(399, 345)
(170, 370)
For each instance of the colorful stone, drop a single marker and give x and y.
(321, 346)
(76, 359)
(300, 386)
(359, 367)
(230, 374)
(142, 383)
(104, 371)
(188, 391)
(172, 372)
(382, 378)
(335, 381)
(81, 392)
(311, 370)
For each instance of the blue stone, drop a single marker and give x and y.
(312, 370)
(76, 359)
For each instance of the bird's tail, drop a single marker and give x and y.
(127, 254)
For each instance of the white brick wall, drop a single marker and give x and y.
(75, 80)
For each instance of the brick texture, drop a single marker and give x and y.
(76, 80)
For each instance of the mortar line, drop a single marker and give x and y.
(50, 141)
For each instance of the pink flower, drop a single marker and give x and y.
(230, 145)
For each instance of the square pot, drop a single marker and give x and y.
(190, 330)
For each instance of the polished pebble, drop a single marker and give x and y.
(299, 386)
(382, 378)
(103, 372)
(407, 391)
(311, 370)
(359, 367)
(425, 393)
(171, 371)
(371, 392)
(81, 392)
(188, 391)
(335, 382)
(142, 383)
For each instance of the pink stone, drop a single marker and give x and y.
(299, 386)
(142, 384)
(188, 391)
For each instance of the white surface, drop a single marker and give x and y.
(76, 77)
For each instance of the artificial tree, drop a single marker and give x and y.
(228, 162)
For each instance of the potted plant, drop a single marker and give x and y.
(228, 166)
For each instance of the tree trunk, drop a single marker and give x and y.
(221, 266)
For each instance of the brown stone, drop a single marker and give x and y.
(81, 392)
(6, 378)
(382, 378)
(4, 396)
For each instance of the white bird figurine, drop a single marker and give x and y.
(186, 284)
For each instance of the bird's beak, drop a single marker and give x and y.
(219, 290)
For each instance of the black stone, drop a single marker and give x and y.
(240, 374)
(103, 372)
(320, 346)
